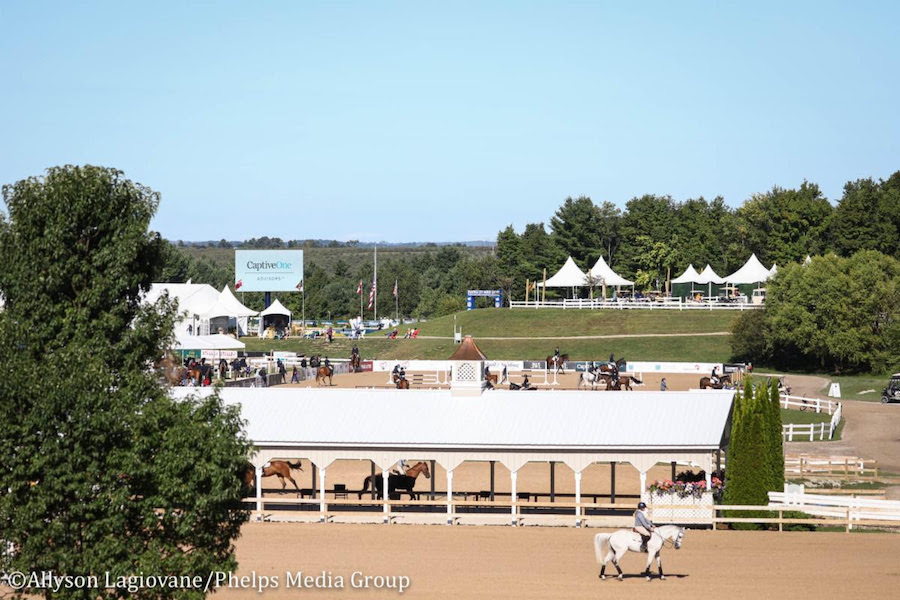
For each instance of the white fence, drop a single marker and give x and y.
(814, 431)
(663, 304)
(837, 506)
(846, 467)
(816, 404)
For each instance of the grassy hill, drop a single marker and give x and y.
(525, 323)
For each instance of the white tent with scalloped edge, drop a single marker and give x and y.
(708, 277)
(751, 272)
(569, 275)
(604, 273)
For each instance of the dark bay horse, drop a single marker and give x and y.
(560, 366)
(323, 372)
(706, 382)
(354, 364)
(397, 482)
(278, 468)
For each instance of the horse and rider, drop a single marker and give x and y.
(355, 360)
(400, 478)
(715, 381)
(398, 376)
(643, 537)
(323, 370)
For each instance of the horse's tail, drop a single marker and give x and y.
(365, 488)
(601, 543)
(636, 380)
(297, 465)
(580, 379)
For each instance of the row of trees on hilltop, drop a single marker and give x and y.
(655, 236)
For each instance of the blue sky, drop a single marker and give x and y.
(437, 122)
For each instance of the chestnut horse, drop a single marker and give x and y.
(324, 372)
(624, 381)
(706, 382)
(279, 468)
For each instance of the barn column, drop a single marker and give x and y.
(513, 475)
(612, 482)
(577, 498)
(643, 483)
(323, 518)
(259, 495)
(552, 481)
(449, 497)
(386, 495)
(493, 463)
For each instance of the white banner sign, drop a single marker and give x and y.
(671, 367)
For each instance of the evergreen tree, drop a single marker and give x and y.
(775, 438)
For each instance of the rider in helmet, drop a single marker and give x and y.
(642, 525)
(613, 368)
(715, 375)
(556, 358)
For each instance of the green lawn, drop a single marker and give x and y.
(697, 349)
(852, 385)
(505, 322)
(802, 417)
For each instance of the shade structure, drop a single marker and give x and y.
(751, 272)
(709, 276)
(194, 301)
(208, 342)
(773, 270)
(276, 313)
(603, 272)
(468, 350)
(690, 275)
(569, 275)
(229, 306)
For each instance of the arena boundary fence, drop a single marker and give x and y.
(665, 304)
(788, 430)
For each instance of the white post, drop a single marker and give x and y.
(322, 494)
(259, 495)
(386, 496)
(513, 475)
(450, 497)
(812, 432)
(577, 498)
(708, 480)
(790, 432)
(643, 483)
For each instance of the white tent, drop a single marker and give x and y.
(229, 307)
(807, 260)
(568, 276)
(751, 272)
(194, 301)
(773, 270)
(276, 308)
(606, 275)
(690, 275)
(709, 277)
(208, 342)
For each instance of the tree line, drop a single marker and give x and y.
(655, 237)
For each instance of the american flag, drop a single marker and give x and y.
(372, 295)
(359, 288)
(395, 288)
(239, 283)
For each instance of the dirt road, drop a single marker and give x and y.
(547, 563)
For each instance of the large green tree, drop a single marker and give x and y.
(868, 217)
(100, 470)
(575, 229)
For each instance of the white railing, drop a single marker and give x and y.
(835, 421)
(846, 467)
(802, 403)
(837, 506)
(813, 430)
(661, 304)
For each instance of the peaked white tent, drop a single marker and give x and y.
(773, 270)
(690, 276)
(276, 309)
(603, 271)
(229, 307)
(751, 272)
(709, 277)
(569, 275)
(807, 260)
(194, 301)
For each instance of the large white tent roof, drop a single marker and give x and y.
(276, 308)
(208, 342)
(709, 276)
(751, 272)
(193, 298)
(229, 306)
(690, 275)
(498, 419)
(604, 272)
(569, 275)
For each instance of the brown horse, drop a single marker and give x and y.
(620, 365)
(402, 383)
(324, 372)
(706, 382)
(278, 468)
(560, 366)
(354, 364)
(624, 381)
(397, 482)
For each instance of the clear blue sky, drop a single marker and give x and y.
(437, 122)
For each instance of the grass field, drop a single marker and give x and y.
(698, 349)
(852, 385)
(803, 417)
(493, 322)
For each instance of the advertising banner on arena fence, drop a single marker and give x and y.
(671, 367)
(411, 365)
(268, 270)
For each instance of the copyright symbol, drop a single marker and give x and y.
(17, 580)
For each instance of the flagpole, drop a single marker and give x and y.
(397, 301)
(375, 283)
(360, 293)
(303, 300)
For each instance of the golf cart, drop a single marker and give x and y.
(892, 392)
